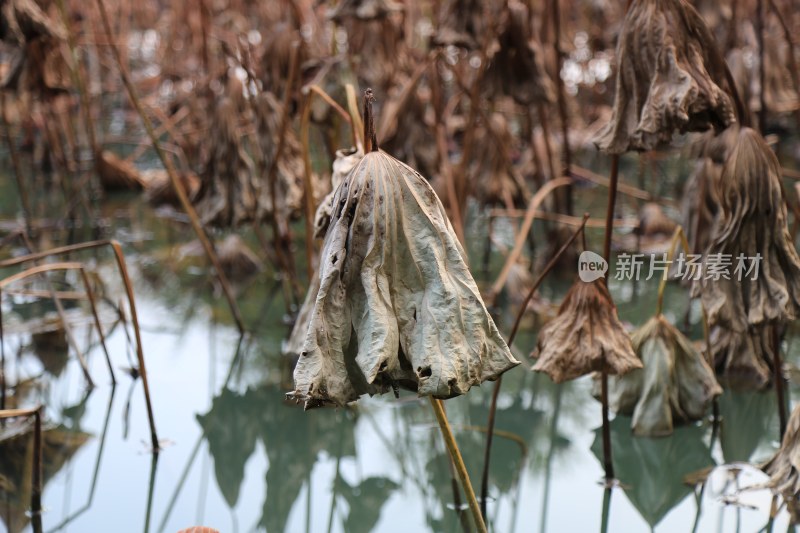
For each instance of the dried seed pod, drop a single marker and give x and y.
(585, 337)
(752, 224)
(669, 78)
(675, 383)
(516, 65)
(784, 468)
(397, 305)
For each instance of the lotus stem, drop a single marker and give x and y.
(458, 462)
(172, 173)
(562, 102)
(677, 238)
(608, 463)
(762, 70)
(496, 392)
(779, 385)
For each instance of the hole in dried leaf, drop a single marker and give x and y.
(424, 372)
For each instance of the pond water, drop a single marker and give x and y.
(238, 457)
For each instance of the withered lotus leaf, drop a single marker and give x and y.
(752, 222)
(669, 78)
(585, 336)
(397, 305)
(676, 382)
(344, 163)
(784, 467)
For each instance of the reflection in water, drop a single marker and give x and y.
(652, 471)
(59, 444)
(748, 420)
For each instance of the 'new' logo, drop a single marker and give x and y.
(591, 266)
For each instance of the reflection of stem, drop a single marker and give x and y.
(499, 382)
(462, 515)
(778, 370)
(181, 481)
(150, 491)
(96, 466)
(549, 460)
(608, 464)
(461, 469)
(606, 510)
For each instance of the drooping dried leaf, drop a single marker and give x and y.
(784, 467)
(742, 357)
(237, 259)
(344, 163)
(397, 305)
(516, 65)
(585, 337)
(117, 174)
(675, 383)
(226, 197)
(752, 221)
(669, 78)
(498, 181)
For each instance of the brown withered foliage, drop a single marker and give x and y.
(226, 197)
(37, 65)
(516, 66)
(784, 467)
(585, 337)
(676, 383)
(670, 78)
(752, 223)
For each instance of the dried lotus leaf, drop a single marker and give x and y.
(675, 382)
(397, 305)
(752, 221)
(345, 161)
(784, 467)
(669, 78)
(516, 66)
(585, 337)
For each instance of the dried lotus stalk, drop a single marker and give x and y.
(397, 305)
(585, 337)
(669, 78)
(226, 197)
(515, 60)
(675, 382)
(784, 468)
(752, 221)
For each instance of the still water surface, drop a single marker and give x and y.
(239, 458)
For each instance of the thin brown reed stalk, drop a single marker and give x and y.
(50, 267)
(458, 462)
(522, 236)
(123, 270)
(308, 184)
(197, 225)
(562, 103)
